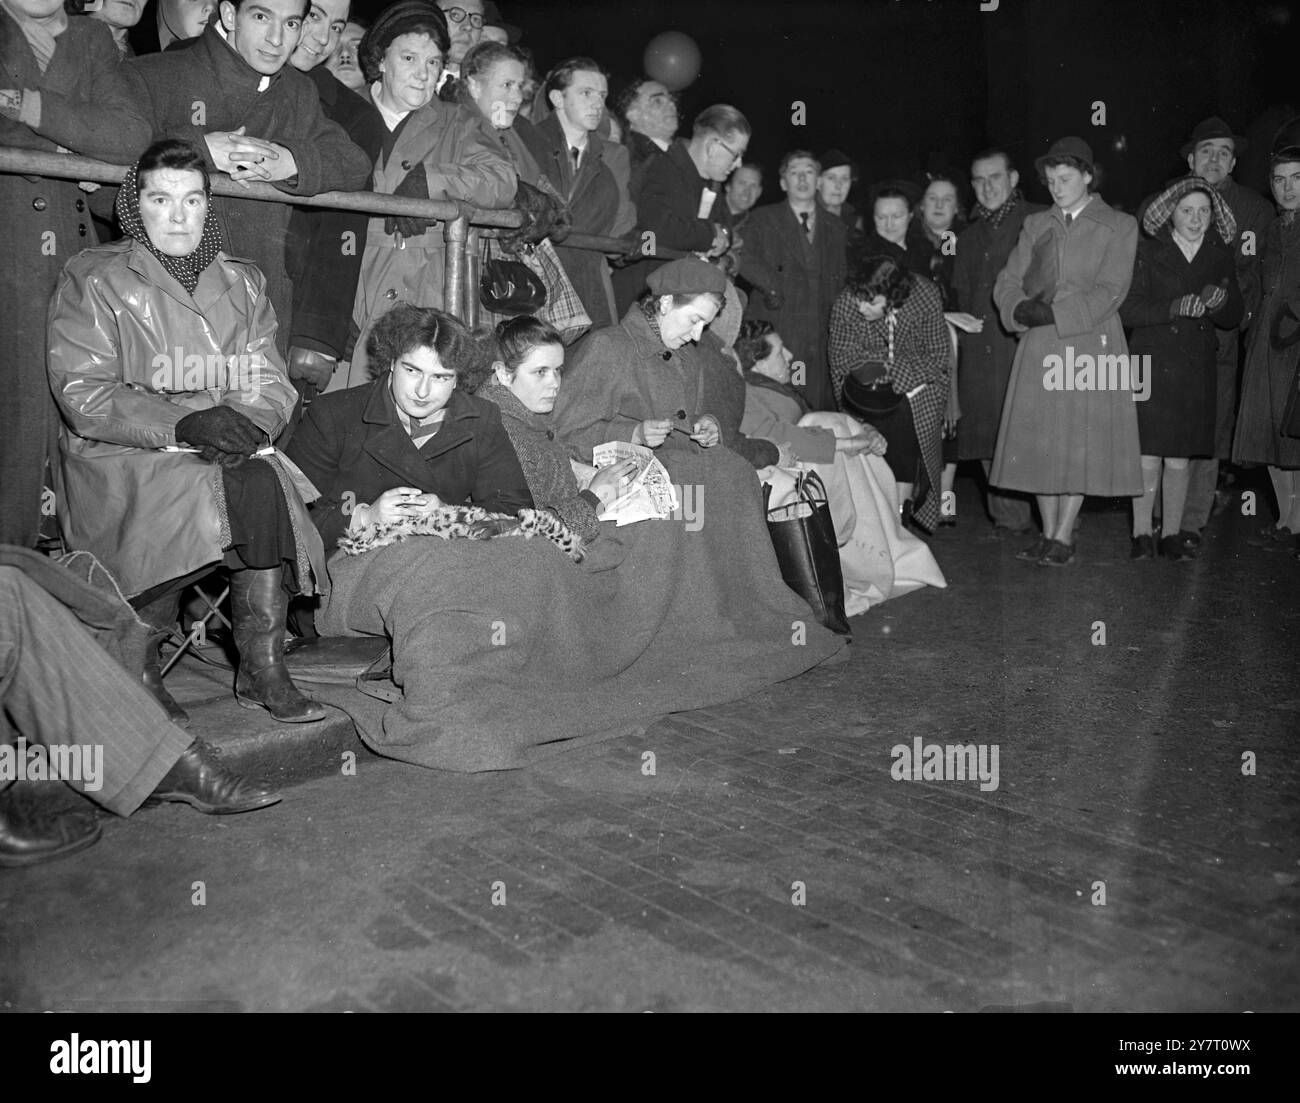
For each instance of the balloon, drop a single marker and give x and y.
(672, 59)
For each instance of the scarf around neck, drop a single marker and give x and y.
(40, 33)
(185, 270)
(996, 218)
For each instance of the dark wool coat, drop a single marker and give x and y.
(1269, 375)
(545, 462)
(778, 257)
(666, 206)
(623, 375)
(985, 357)
(323, 248)
(210, 82)
(85, 108)
(1179, 416)
(597, 205)
(352, 446)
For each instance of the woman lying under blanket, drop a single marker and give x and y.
(879, 558)
(508, 650)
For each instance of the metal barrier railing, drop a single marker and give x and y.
(462, 231)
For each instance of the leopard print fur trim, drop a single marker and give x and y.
(468, 523)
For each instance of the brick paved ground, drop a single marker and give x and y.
(1119, 764)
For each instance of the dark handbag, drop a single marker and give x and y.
(804, 538)
(509, 287)
(868, 394)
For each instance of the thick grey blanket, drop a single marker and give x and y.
(506, 651)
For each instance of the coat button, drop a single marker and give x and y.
(39, 204)
(666, 355)
(390, 294)
(406, 165)
(81, 230)
(81, 205)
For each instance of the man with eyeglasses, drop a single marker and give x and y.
(795, 256)
(465, 26)
(680, 203)
(1211, 153)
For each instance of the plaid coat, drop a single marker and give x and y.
(922, 350)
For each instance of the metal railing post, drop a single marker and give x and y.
(473, 268)
(454, 234)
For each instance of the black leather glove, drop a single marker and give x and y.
(414, 185)
(1034, 312)
(220, 432)
(310, 366)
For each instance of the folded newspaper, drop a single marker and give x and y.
(650, 495)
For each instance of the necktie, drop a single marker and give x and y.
(806, 219)
(1068, 219)
(577, 156)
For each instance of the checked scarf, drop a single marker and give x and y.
(996, 218)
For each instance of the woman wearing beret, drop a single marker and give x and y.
(1184, 288)
(1068, 427)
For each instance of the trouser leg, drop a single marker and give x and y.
(63, 689)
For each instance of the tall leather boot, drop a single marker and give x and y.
(160, 614)
(260, 604)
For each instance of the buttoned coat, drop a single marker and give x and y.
(598, 204)
(777, 256)
(131, 353)
(1055, 440)
(43, 222)
(1178, 416)
(462, 161)
(352, 446)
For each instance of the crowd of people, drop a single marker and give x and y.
(278, 391)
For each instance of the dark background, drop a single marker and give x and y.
(903, 85)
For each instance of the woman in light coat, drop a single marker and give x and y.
(435, 150)
(1069, 424)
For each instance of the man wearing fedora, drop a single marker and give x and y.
(1211, 153)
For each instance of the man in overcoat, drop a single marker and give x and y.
(795, 258)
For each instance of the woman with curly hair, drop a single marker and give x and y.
(414, 439)
(890, 353)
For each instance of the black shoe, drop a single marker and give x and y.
(1173, 548)
(1035, 551)
(260, 605)
(199, 780)
(1142, 547)
(28, 838)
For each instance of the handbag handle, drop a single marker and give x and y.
(802, 485)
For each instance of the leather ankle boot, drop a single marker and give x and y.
(161, 614)
(260, 604)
